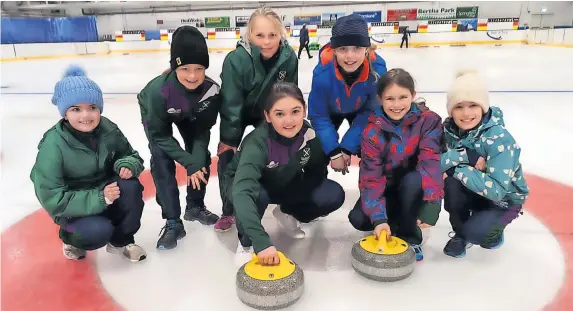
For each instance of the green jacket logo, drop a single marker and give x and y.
(282, 76)
(305, 156)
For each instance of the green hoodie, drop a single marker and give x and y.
(69, 177)
(165, 101)
(246, 83)
(283, 167)
(503, 179)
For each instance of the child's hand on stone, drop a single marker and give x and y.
(383, 227)
(268, 256)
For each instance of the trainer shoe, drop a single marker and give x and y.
(201, 214)
(456, 246)
(418, 250)
(132, 252)
(288, 223)
(73, 253)
(172, 231)
(224, 223)
(243, 255)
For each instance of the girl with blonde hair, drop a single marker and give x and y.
(260, 59)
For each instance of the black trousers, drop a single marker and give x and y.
(303, 45)
(224, 160)
(476, 219)
(164, 178)
(406, 40)
(116, 225)
(305, 207)
(404, 200)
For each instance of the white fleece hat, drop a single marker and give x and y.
(468, 86)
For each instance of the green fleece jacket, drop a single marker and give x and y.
(164, 101)
(69, 176)
(281, 166)
(246, 83)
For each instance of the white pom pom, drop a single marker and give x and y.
(463, 72)
(74, 70)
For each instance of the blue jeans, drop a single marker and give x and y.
(116, 225)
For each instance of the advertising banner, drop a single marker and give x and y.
(218, 22)
(371, 16)
(468, 25)
(241, 21)
(441, 13)
(308, 19)
(328, 19)
(196, 22)
(467, 12)
(402, 15)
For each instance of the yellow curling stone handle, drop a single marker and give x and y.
(257, 271)
(382, 246)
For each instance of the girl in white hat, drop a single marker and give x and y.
(483, 179)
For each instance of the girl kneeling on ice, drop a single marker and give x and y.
(484, 183)
(344, 88)
(280, 162)
(85, 175)
(400, 167)
(262, 58)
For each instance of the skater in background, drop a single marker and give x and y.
(280, 162)
(405, 35)
(85, 174)
(400, 167)
(304, 41)
(485, 188)
(263, 58)
(186, 97)
(344, 88)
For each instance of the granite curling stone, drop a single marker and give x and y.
(382, 260)
(270, 287)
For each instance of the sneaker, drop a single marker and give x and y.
(456, 247)
(224, 223)
(133, 252)
(74, 253)
(200, 214)
(172, 231)
(288, 223)
(243, 255)
(494, 244)
(418, 250)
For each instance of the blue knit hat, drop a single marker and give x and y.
(76, 88)
(350, 30)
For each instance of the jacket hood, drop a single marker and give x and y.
(494, 117)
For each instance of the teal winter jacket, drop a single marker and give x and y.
(503, 179)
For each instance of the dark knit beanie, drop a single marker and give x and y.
(350, 30)
(188, 46)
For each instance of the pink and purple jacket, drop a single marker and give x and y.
(389, 151)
